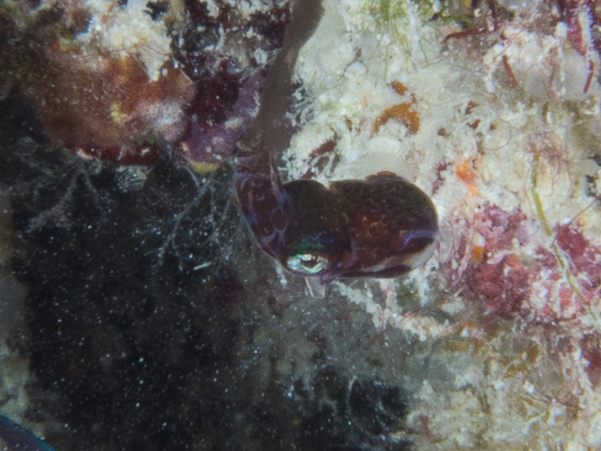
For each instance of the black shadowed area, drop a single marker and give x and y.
(142, 329)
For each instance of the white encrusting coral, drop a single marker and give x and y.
(125, 30)
(507, 146)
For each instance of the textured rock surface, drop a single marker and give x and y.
(152, 320)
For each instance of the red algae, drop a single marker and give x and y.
(578, 248)
(551, 282)
(493, 24)
(584, 261)
(115, 106)
(499, 279)
(107, 92)
(581, 33)
(99, 91)
(591, 351)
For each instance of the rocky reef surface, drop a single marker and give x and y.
(493, 110)
(136, 310)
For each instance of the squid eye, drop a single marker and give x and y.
(307, 263)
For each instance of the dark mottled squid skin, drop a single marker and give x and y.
(381, 227)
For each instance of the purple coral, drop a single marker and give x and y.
(210, 143)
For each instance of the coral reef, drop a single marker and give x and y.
(96, 92)
(131, 81)
(498, 120)
(152, 319)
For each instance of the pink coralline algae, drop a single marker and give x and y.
(503, 286)
(584, 262)
(510, 275)
(495, 274)
(591, 351)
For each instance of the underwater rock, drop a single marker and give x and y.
(125, 81)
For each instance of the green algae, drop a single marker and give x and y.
(385, 11)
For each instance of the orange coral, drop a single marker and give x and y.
(477, 255)
(466, 170)
(399, 87)
(404, 112)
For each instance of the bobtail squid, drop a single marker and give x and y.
(381, 227)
